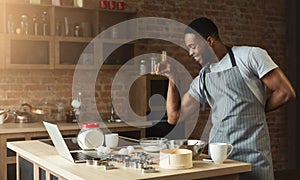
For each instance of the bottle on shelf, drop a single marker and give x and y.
(142, 67)
(10, 24)
(45, 23)
(153, 61)
(66, 26)
(60, 112)
(164, 56)
(35, 25)
(57, 29)
(77, 31)
(113, 115)
(24, 24)
(112, 112)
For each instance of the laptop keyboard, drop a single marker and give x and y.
(81, 156)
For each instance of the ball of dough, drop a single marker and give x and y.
(106, 150)
(123, 151)
(130, 149)
(100, 149)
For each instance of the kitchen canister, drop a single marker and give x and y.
(176, 159)
(90, 136)
(86, 29)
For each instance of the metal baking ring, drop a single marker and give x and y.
(96, 161)
(89, 162)
(126, 163)
(109, 166)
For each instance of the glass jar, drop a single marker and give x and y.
(60, 116)
(77, 31)
(24, 24)
(142, 67)
(35, 25)
(45, 23)
(90, 136)
(78, 3)
(153, 61)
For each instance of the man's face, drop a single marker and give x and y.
(199, 49)
(194, 46)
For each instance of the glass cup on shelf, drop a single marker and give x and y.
(56, 2)
(10, 24)
(153, 61)
(66, 27)
(86, 29)
(58, 29)
(24, 24)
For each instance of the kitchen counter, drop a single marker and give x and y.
(45, 156)
(36, 130)
(8, 128)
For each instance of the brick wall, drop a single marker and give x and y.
(241, 22)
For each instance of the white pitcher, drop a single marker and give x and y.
(3, 115)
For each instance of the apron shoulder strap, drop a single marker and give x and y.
(204, 86)
(232, 59)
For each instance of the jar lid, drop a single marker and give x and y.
(90, 125)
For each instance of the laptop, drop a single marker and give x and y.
(76, 156)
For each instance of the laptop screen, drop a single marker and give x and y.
(58, 140)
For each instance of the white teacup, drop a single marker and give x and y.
(3, 116)
(219, 152)
(111, 140)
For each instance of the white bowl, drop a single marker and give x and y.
(153, 144)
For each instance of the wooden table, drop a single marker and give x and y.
(32, 131)
(44, 156)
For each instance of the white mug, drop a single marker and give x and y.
(3, 116)
(111, 140)
(219, 152)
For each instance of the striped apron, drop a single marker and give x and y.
(238, 118)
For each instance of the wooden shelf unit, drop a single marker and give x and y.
(61, 50)
(151, 84)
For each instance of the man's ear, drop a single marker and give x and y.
(210, 40)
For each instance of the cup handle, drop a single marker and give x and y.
(6, 116)
(231, 149)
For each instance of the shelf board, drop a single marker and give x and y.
(29, 66)
(116, 41)
(117, 67)
(75, 66)
(73, 39)
(27, 37)
(22, 3)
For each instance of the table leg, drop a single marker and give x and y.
(143, 132)
(18, 166)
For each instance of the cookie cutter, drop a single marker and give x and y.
(148, 169)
